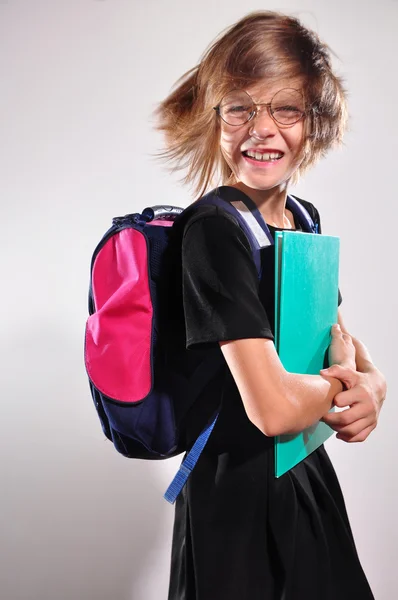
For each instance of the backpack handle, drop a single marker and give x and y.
(161, 212)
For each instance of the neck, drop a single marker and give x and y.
(270, 203)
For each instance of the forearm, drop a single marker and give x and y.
(363, 359)
(311, 397)
(364, 364)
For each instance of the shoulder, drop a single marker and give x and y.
(209, 221)
(202, 212)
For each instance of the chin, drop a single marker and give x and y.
(266, 178)
(264, 182)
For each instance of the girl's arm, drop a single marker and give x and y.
(363, 359)
(367, 389)
(276, 401)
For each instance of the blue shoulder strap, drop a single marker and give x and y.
(251, 221)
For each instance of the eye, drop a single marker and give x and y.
(287, 110)
(237, 108)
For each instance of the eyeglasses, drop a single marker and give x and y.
(237, 107)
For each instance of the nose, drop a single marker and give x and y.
(262, 124)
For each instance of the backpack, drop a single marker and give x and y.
(140, 394)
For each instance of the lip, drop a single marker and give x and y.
(263, 150)
(263, 163)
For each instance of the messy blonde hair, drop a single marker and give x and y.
(264, 45)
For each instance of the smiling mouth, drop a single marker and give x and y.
(263, 156)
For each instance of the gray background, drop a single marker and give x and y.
(79, 79)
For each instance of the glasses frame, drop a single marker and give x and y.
(255, 110)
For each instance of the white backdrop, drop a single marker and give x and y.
(79, 79)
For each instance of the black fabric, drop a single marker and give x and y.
(239, 533)
(214, 259)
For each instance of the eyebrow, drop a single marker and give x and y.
(299, 89)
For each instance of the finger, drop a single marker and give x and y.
(337, 369)
(349, 376)
(355, 428)
(361, 437)
(346, 398)
(344, 418)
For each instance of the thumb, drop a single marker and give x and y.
(343, 373)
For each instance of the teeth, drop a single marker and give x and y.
(264, 156)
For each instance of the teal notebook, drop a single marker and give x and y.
(306, 303)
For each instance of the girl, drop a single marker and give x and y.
(262, 107)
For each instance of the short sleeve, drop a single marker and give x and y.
(220, 284)
(340, 298)
(318, 220)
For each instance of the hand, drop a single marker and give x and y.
(364, 397)
(341, 349)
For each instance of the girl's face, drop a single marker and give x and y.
(262, 135)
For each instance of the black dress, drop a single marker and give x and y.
(239, 533)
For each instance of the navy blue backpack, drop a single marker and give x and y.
(138, 396)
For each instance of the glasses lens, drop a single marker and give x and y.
(236, 107)
(287, 106)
